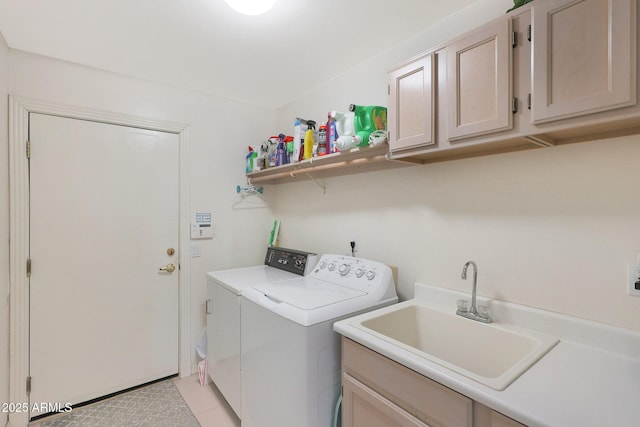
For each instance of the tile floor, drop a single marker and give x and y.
(206, 403)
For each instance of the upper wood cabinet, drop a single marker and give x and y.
(584, 57)
(411, 104)
(479, 81)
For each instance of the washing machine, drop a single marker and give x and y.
(290, 353)
(224, 288)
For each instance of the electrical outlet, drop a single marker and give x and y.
(633, 274)
(353, 244)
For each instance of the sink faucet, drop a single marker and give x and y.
(473, 313)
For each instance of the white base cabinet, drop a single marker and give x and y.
(378, 392)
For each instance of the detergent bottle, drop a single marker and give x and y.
(309, 140)
(368, 119)
(344, 127)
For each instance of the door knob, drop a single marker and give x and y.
(169, 268)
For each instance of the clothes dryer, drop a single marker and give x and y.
(224, 288)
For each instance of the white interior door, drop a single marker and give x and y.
(104, 215)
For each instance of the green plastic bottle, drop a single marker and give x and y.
(368, 118)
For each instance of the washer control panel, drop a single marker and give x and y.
(290, 260)
(356, 273)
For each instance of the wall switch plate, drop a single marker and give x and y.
(195, 249)
(632, 278)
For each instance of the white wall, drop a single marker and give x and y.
(550, 228)
(4, 224)
(219, 131)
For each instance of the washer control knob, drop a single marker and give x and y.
(359, 273)
(323, 264)
(344, 269)
(371, 274)
(332, 266)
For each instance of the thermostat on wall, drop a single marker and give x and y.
(202, 227)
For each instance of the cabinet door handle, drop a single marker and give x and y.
(208, 306)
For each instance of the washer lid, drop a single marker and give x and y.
(237, 279)
(307, 293)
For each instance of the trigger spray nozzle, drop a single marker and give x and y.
(353, 248)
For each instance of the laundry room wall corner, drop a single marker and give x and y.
(4, 222)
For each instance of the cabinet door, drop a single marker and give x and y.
(363, 407)
(583, 57)
(224, 347)
(487, 417)
(479, 82)
(411, 104)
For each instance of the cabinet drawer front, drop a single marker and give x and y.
(427, 400)
(583, 57)
(363, 407)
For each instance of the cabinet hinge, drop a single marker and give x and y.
(514, 39)
(28, 149)
(529, 101)
(28, 385)
(529, 32)
(514, 105)
(29, 267)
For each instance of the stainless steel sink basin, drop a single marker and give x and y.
(492, 354)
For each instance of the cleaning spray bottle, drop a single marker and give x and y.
(249, 161)
(332, 135)
(322, 140)
(297, 141)
(309, 140)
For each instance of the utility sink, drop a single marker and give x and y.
(493, 354)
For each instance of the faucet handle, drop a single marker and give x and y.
(463, 306)
(484, 311)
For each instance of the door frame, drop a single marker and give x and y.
(19, 110)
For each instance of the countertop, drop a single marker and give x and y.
(590, 378)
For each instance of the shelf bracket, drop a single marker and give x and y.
(324, 187)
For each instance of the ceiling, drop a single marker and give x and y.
(203, 45)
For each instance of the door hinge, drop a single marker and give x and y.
(29, 267)
(529, 101)
(28, 385)
(514, 39)
(514, 105)
(529, 32)
(28, 149)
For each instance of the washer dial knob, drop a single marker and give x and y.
(332, 266)
(344, 269)
(359, 273)
(371, 274)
